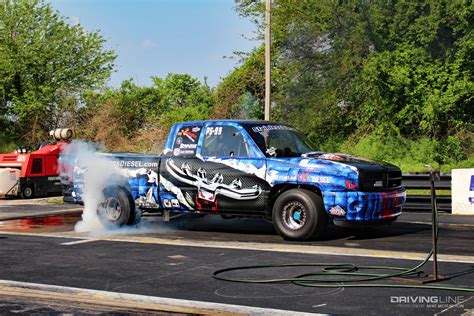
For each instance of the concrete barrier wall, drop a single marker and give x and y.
(463, 191)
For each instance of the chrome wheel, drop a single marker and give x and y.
(117, 208)
(294, 215)
(299, 214)
(112, 209)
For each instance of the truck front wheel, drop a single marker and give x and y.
(299, 214)
(117, 208)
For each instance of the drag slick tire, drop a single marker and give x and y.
(117, 208)
(299, 214)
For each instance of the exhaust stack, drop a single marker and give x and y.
(62, 134)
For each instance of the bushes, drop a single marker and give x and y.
(411, 155)
(6, 144)
(379, 145)
(136, 118)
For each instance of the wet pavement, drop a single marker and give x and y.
(411, 233)
(29, 253)
(48, 223)
(20, 208)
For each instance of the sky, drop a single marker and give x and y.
(156, 37)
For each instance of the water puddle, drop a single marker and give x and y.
(64, 222)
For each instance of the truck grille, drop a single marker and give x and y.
(37, 166)
(379, 180)
(394, 179)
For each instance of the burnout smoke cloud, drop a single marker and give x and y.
(96, 172)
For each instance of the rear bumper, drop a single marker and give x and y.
(365, 206)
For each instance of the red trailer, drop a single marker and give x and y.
(33, 174)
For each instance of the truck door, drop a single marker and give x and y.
(178, 183)
(231, 177)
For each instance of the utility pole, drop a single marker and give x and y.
(267, 60)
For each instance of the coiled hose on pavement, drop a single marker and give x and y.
(352, 275)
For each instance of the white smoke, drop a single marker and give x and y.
(95, 170)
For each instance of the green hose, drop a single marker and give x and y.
(351, 272)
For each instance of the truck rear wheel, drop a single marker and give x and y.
(27, 192)
(117, 208)
(299, 214)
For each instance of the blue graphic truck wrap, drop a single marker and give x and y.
(248, 169)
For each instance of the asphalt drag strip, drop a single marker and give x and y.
(37, 298)
(14, 209)
(402, 239)
(170, 264)
(185, 273)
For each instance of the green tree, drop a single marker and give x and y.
(134, 117)
(43, 62)
(184, 98)
(181, 91)
(244, 83)
(351, 71)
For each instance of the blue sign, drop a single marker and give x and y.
(471, 188)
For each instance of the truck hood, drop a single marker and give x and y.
(370, 175)
(316, 167)
(358, 162)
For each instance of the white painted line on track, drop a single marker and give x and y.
(120, 299)
(82, 241)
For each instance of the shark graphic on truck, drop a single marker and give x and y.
(249, 169)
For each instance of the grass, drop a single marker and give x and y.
(428, 192)
(56, 200)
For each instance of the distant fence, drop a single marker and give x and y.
(421, 181)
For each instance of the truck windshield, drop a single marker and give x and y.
(278, 140)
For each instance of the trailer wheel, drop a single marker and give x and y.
(27, 192)
(299, 214)
(117, 208)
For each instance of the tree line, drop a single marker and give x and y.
(389, 80)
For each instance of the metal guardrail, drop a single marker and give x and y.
(421, 181)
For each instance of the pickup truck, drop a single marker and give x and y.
(250, 169)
